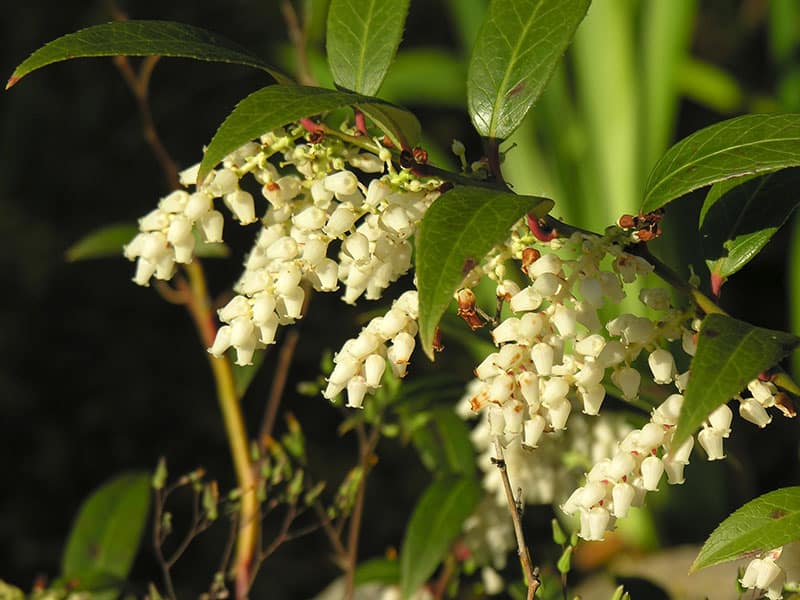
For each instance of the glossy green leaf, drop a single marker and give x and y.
(276, 105)
(378, 570)
(734, 148)
(362, 39)
(518, 47)
(105, 536)
(143, 38)
(740, 216)
(768, 522)
(730, 354)
(434, 525)
(444, 444)
(455, 234)
(102, 243)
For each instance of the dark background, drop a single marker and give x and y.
(98, 376)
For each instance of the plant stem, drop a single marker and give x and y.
(249, 517)
(530, 572)
(366, 447)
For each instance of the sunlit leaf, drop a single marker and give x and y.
(730, 354)
(105, 536)
(455, 234)
(742, 146)
(362, 38)
(740, 216)
(276, 105)
(518, 47)
(436, 522)
(768, 522)
(143, 38)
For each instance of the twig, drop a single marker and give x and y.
(157, 541)
(530, 572)
(297, 35)
(366, 447)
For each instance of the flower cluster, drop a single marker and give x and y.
(360, 363)
(554, 352)
(324, 191)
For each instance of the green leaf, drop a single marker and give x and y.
(456, 232)
(107, 531)
(378, 570)
(434, 525)
(730, 354)
(734, 148)
(518, 47)
(362, 39)
(143, 38)
(741, 215)
(444, 444)
(768, 522)
(276, 105)
(102, 243)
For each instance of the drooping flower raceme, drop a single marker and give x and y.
(555, 353)
(323, 198)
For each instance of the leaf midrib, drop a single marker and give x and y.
(694, 162)
(511, 63)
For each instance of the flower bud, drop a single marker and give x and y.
(761, 392)
(533, 429)
(395, 219)
(366, 162)
(510, 356)
(751, 410)
(591, 345)
(507, 331)
(340, 221)
(242, 206)
(529, 386)
(592, 291)
(292, 302)
(565, 320)
(374, 366)
(592, 397)
(720, 419)
(327, 272)
(402, 347)
(512, 413)
(530, 325)
(598, 521)
(681, 453)
(222, 341)
(284, 248)
(668, 411)
(652, 468)
(376, 193)
(554, 389)
(342, 183)
(225, 182)
(211, 223)
(558, 413)
(144, 271)
(711, 441)
(622, 495)
(612, 354)
(310, 219)
(238, 306)
(621, 465)
(652, 435)
(542, 357)
(547, 285)
(627, 379)
(525, 300)
(674, 470)
(662, 365)
(356, 389)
